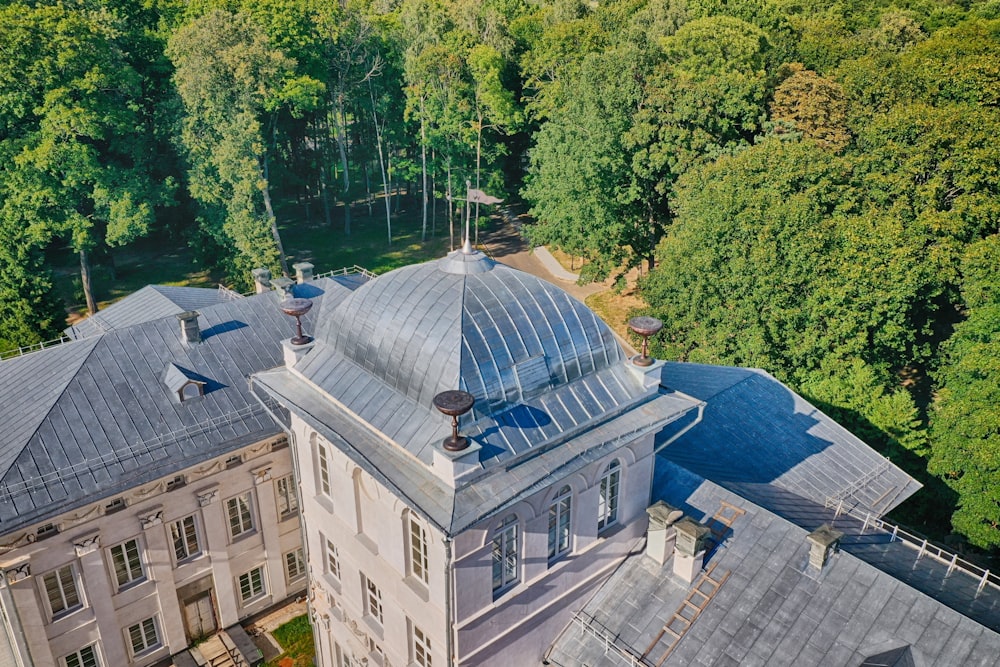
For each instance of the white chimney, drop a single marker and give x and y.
(284, 286)
(303, 272)
(689, 548)
(661, 535)
(190, 332)
(261, 279)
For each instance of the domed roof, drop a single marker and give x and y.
(467, 322)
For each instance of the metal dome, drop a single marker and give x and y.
(466, 322)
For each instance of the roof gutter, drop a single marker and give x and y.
(672, 439)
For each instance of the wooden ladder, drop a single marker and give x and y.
(723, 520)
(695, 602)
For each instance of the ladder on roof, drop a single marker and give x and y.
(723, 520)
(678, 624)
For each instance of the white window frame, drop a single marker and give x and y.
(239, 515)
(249, 577)
(76, 658)
(148, 634)
(287, 496)
(372, 599)
(126, 563)
(181, 537)
(295, 560)
(331, 558)
(609, 496)
(323, 469)
(561, 524)
(62, 577)
(506, 555)
(416, 548)
(420, 647)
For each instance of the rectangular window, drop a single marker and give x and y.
(85, 657)
(418, 549)
(505, 566)
(184, 535)
(143, 636)
(240, 514)
(560, 528)
(332, 559)
(61, 591)
(373, 599)
(252, 584)
(324, 470)
(127, 563)
(421, 648)
(607, 505)
(288, 500)
(295, 566)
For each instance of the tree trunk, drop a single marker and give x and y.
(434, 201)
(324, 131)
(85, 280)
(479, 153)
(381, 162)
(265, 189)
(338, 126)
(423, 184)
(451, 211)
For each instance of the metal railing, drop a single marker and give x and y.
(28, 349)
(588, 623)
(922, 545)
(228, 294)
(347, 270)
(861, 482)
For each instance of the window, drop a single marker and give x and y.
(607, 504)
(252, 584)
(373, 599)
(46, 531)
(127, 563)
(288, 501)
(176, 483)
(417, 537)
(85, 657)
(559, 523)
(421, 647)
(240, 515)
(332, 565)
(233, 460)
(184, 534)
(143, 636)
(295, 567)
(115, 505)
(324, 470)
(61, 591)
(505, 566)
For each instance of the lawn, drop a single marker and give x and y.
(161, 260)
(296, 640)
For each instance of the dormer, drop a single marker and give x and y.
(184, 384)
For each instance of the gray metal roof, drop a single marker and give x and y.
(149, 303)
(772, 608)
(91, 418)
(765, 442)
(467, 322)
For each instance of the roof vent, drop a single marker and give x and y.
(823, 543)
(261, 279)
(183, 383)
(190, 332)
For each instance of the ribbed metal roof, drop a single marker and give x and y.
(467, 322)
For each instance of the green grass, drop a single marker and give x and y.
(296, 639)
(160, 260)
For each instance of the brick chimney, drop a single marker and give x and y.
(261, 279)
(823, 543)
(190, 331)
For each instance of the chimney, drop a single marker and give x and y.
(303, 272)
(261, 279)
(190, 333)
(284, 286)
(823, 543)
(661, 536)
(689, 549)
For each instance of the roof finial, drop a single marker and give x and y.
(467, 247)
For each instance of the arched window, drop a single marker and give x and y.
(560, 524)
(607, 504)
(505, 550)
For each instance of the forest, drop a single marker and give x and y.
(807, 187)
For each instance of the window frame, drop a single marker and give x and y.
(331, 558)
(147, 645)
(323, 478)
(416, 549)
(134, 569)
(254, 594)
(608, 504)
(420, 647)
(183, 536)
(78, 655)
(244, 518)
(373, 600)
(74, 579)
(287, 498)
(297, 558)
(560, 524)
(506, 554)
